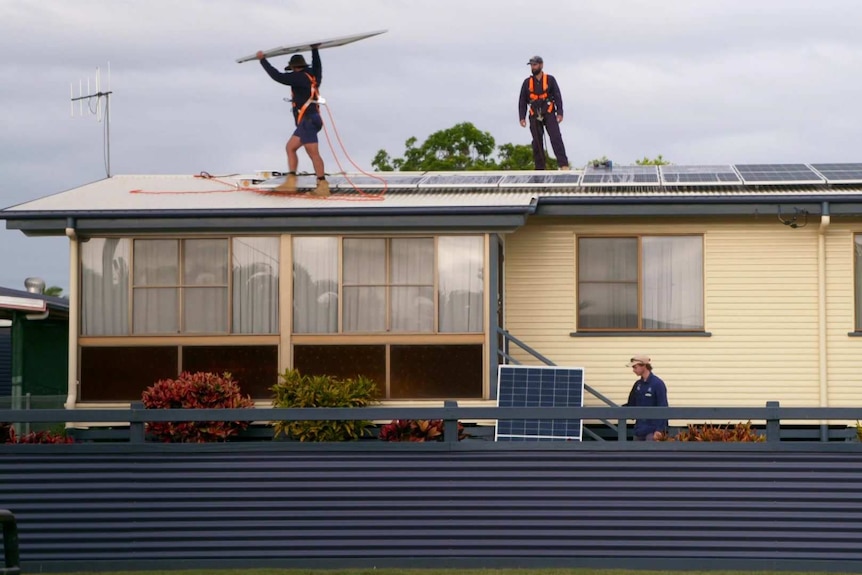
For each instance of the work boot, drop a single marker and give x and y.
(565, 168)
(322, 189)
(289, 185)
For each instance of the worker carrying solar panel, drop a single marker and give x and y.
(304, 84)
(541, 97)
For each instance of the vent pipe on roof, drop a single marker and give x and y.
(35, 285)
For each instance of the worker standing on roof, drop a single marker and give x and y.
(304, 84)
(540, 95)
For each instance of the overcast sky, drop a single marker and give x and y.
(701, 82)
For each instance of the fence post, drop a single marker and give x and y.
(136, 428)
(773, 424)
(10, 544)
(450, 426)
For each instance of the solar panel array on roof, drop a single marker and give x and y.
(778, 174)
(621, 175)
(698, 175)
(847, 173)
(548, 179)
(462, 180)
(527, 386)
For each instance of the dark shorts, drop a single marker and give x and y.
(308, 128)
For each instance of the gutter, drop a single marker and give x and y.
(823, 351)
(74, 311)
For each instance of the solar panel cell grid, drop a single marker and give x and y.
(524, 386)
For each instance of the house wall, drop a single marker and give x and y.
(761, 309)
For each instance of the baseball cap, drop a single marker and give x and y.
(536, 60)
(636, 359)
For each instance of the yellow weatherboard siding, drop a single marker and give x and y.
(761, 308)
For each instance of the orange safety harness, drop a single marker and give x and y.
(312, 98)
(543, 95)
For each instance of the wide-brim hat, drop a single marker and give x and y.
(638, 359)
(296, 60)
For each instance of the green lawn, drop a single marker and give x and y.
(439, 572)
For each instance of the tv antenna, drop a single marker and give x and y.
(94, 108)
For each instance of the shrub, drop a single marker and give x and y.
(741, 432)
(413, 430)
(296, 390)
(7, 435)
(196, 391)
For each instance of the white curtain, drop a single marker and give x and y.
(460, 265)
(205, 308)
(364, 285)
(105, 286)
(255, 285)
(672, 282)
(608, 283)
(156, 297)
(412, 289)
(315, 285)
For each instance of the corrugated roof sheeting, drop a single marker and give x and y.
(163, 193)
(218, 506)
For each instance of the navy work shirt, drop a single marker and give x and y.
(649, 393)
(298, 81)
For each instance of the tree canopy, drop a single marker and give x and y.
(463, 147)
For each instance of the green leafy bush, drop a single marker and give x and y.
(296, 390)
(740, 432)
(199, 390)
(416, 430)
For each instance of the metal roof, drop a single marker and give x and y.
(151, 203)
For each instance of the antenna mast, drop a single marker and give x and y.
(95, 109)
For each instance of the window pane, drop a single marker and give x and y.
(364, 309)
(205, 262)
(412, 309)
(123, 373)
(315, 285)
(342, 361)
(253, 367)
(858, 240)
(607, 306)
(105, 286)
(608, 259)
(255, 285)
(156, 262)
(364, 262)
(205, 310)
(461, 283)
(156, 310)
(672, 282)
(436, 371)
(412, 261)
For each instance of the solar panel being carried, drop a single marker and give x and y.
(840, 173)
(674, 175)
(546, 386)
(777, 174)
(621, 175)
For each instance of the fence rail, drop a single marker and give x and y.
(770, 416)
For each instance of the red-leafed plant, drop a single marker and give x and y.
(7, 435)
(740, 432)
(416, 430)
(199, 390)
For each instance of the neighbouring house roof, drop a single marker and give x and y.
(131, 203)
(12, 300)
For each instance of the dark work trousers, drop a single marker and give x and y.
(537, 129)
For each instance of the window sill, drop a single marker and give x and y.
(855, 334)
(643, 334)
